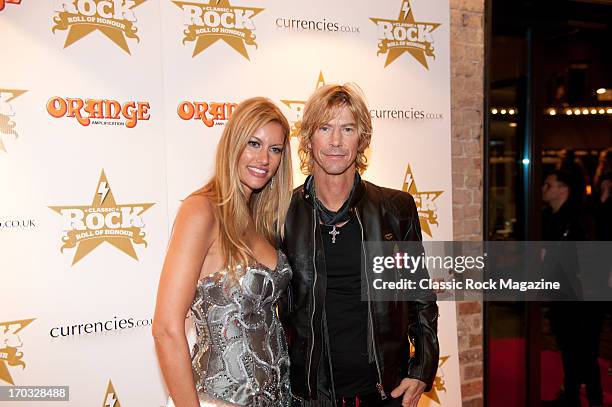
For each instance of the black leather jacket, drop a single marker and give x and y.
(383, 214)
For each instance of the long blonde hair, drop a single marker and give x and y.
(324, 104)
(268, 206)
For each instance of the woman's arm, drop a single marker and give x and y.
(193, 234)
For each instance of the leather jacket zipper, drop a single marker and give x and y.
(314, 284)
(379, 385)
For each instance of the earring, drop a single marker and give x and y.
(271, 183)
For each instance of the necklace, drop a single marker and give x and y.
(327, 217)
(334, 232)
(335, 229)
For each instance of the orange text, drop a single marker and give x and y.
(85, 110)
(2, 3)
(207, 112)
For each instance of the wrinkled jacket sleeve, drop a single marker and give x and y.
(423, 316)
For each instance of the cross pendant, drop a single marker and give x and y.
(334, 232)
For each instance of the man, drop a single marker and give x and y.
(575, 324)
(345, 351)
(565, 218)
(603, 195)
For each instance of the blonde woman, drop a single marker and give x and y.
(223, 264)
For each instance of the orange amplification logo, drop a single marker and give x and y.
(99, 111)
(3, 2)
(211, 113)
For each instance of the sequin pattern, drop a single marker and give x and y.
(240, 355)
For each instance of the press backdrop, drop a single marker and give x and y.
(110, 112)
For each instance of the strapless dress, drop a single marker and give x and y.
(240, 356)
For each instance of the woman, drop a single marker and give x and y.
(222, 263)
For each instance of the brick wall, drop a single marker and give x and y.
(467, 86)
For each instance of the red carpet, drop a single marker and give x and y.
(507, 372)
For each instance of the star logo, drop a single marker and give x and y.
(207, 23)
(405, 35)
(10, 343)
(110, 397)
(7, 125)
(115, 19)
(439, 383)
(426, 207)
(88, 226)
(297, 108)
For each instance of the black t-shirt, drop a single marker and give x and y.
(347, 315)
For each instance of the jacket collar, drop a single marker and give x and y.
(360, 190)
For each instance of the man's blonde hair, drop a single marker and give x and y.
(322, 107)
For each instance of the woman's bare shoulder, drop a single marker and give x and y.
(198, 209)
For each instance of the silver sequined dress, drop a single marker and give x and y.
(240, 355)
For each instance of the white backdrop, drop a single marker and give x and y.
(115, 189)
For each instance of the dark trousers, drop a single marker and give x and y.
(577, 326)
(325, 401)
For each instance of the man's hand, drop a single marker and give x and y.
(411, 389)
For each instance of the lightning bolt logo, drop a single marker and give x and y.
(103, 190)
(424, 200)
(110, 399)
(121, 225)
(405, 34)
(408, 180)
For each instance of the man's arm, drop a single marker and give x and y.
(423, 326)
